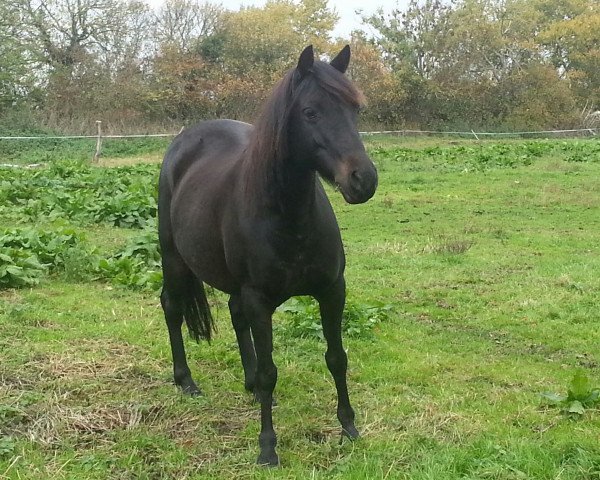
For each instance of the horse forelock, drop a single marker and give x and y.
(337, 84)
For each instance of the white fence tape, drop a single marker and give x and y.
(67, 137)
(476, 134)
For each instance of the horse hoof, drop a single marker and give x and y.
(350, 432)
(192, 392)
(190, 388)
(268, 460)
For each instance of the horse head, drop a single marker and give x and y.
(323, 125)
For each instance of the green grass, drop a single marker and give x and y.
(488, 254)
(51, 150)
(122, 151)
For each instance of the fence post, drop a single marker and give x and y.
(98, 142)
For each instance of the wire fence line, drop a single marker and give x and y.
(578, 131)
(99, 137)
(587, 131)
(72, 137)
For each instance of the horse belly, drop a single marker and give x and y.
(197, 235)
(204, 256)
(208, 264)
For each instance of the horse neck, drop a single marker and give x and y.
(284, 188)
(296, 190)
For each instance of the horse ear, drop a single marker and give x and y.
(307, 59)
(342, 60)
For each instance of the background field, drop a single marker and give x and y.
(475, 267)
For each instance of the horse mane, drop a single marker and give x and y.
(268, 144)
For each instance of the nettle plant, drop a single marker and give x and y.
(137, 265)
(122, 197)
(302, 318)
(27, 254)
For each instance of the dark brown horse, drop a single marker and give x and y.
(242, 209)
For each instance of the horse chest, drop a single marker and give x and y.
(302, 265)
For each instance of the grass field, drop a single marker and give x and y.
(487, 255)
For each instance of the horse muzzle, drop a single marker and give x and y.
(359, 185)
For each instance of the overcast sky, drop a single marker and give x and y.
(346, 10)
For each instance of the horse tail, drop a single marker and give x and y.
(196, 312)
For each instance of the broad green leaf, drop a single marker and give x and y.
(580, 386)
(14, 270)
(576, 407)
(553, 398)
(593, 397)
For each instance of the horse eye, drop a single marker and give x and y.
(310, 113)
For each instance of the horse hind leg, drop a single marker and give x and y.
(183, 297)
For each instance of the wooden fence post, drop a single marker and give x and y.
(98, 142)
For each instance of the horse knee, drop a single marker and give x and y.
(337, 361)
(266, 379)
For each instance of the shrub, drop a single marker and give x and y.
(303, 319)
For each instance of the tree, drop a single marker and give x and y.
(264, 41)
(61, 33)
(468, 54)
(78, 48)
(537, 98)
(388, 100)
(15, 79)
(184, 23)
(414, 37)
(570, 37)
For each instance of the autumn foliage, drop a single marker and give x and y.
(494, 64)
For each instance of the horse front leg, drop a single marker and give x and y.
(331, 304)
(241, 326)
(259, 312)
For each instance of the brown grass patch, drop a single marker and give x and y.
(394, 248)
(90, 359)
(50, 422)
(11, 296)
(447, 245)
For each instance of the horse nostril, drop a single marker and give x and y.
(360, 184)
